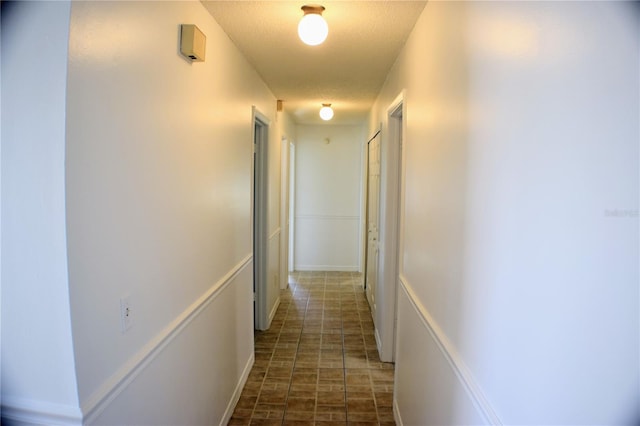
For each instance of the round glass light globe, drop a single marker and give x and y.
(313, 29)
(326, 113)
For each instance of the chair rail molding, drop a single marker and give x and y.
(452, 356)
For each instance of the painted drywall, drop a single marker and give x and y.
(159, 175)
(38, 372)
(198, 389)
(327, 197)
(520, 242)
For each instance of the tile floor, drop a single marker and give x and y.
(318, 363)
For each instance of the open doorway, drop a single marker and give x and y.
(286, 151)
(291, 206)
(372, 249)
(260, 207)
(396, 184)
(384, 214)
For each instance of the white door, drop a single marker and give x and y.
(373, 221)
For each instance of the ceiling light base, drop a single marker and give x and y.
(313, 8)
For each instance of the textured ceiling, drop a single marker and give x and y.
(347, 70)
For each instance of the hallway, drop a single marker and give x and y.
(318, 363)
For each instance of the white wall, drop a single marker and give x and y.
(327, 197)
(158, 167)
(519, 299)
(159, 183)
(38, 377)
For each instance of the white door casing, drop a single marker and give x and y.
(373, 221)
(260, 125)
(292, 204)
(382, 282)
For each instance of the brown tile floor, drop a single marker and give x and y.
(318, 363)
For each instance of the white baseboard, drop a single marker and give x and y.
(18, 411)
(272, 314)
(236, 393)
(396, 411)
(452, 356)
(376, 334)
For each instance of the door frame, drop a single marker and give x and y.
(391, 227)
(364, 202)
(292, 206)
(284, 211)
(396, 115)
(367, 182)
(259, 208)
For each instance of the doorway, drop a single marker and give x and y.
(373, 221)
(384, 218)
(393, 233)
(260, 208)
(292, 204)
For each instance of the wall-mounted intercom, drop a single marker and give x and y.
(192, 42)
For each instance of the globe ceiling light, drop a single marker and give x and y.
(326, 112)
(313, 29)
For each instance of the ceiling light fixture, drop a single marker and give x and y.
(326, 113)
(313, 29)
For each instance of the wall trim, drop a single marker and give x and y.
(396, 411)
(272, 314)
(376, 334)
(328, 268)
(236, 393)
(28, 411)
(325, 217)
(113, 386)
(275, 233)
(453, 357)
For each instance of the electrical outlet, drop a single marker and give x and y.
(126, 317)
